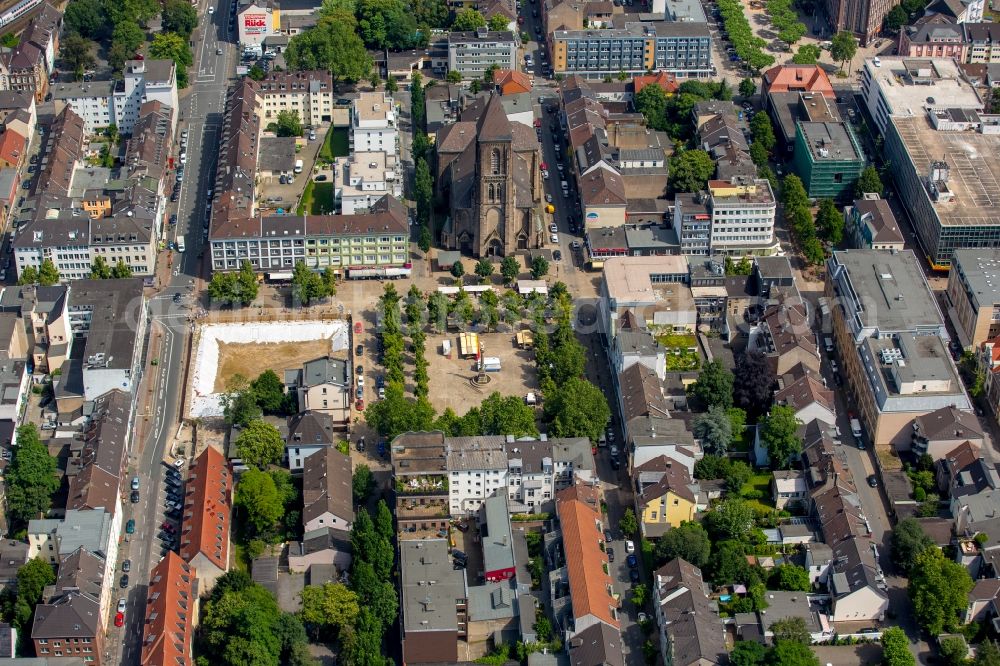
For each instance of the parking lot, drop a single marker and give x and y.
(449, 377)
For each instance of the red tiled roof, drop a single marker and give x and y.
(170, 604)
(792, 78)
(589, 585)
(511, 81)
(11, 147)
(663, 79)
(207, 510)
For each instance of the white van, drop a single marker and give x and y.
(298, 166)
(828, 344)
(856, 428)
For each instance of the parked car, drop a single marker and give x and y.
(629, 547)
(134, 497)
(359, 350)
(124, 580)
(126, 566)
(633, 575)
(632, 561)
(130, 527)
(611, 554)
(120, 617)
(608, 538)
(121, 605)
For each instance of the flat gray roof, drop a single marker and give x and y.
(431, 586)
(979, 270)
(890, 288)
(831, 141)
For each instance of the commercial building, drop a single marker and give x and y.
(941, 147)
(472, 53)
(734, 217)
(310, 94)
(204, 536)
(363, 179)
(974, 295)
(170, 610)
(361, 245)
(683, 49)
(653, 289)
(256, 20)
(828, 158)
(373, 124)
(434, 605)
(891, 339)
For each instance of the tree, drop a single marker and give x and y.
(714, 386)
(938, 589)
(77, 52)
(628, 523)
(792, 653)
(260, 444)
(329, 607)
(457, 270)
(453, 76)
(180, 17)
(334, 45)
(576, 408)
(762, 131)
(714, 430)
(374, 593)
(758, 155)
(791, 578)
(896, 648)
(954, 650)
(830, 221)
(397, 414)
(32, 579)
(510, 268)
(257, 495)
(778, 435)
(484, 269)
(468, 20)
(129, 36)
(748, 653)
(752, 383)
(748, 88)
(651, 102)
(688, 541)
(30, 477)
(498, 23)
(269, 392)
(171, 46)
(987, 654)
(86, 18)
(539, 267)
(791, 629)
(690, 170)
(869, 181)
(908, 542)
(732, 518)
(362, 483)
(99, 270)
(507, 415)
(242, 624)
(288, 124)
(843, 47)
(383, 521)
(121, 271)
(808, 54)
(895, 19)
(423, 185)
(47, 274)
(28, 275)
(307, 285)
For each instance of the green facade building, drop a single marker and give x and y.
(828, 159)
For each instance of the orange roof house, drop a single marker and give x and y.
(12, 147)
(665, 80)
(798, 78)
(511, 81)
(207, 515)
(170, 600)
(590, 586)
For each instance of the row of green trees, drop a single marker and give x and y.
(798, 213)
(46, 274)
(748, 46)
(785, 20)
(423, 180)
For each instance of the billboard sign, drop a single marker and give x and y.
(255, 24)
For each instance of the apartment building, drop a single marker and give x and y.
(892, 341)
(373, 124)
(72, 619)
(870, 224)
(931, 119)
(44, 320)
(204, 534)
(933, 36)
(168, 628)
(26, 68)
(472, 53)
(310, 94)
(433, 605)
(683, 49)
(118, 102)
(973, 298)
(236, 175)
(982, 42)
(363, 179)
(690, 629)
(360, 245)
(734, 217)
(326, 491)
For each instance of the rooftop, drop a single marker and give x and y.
(912, 373)
(833, 141)
(631, 279)
(889, 287)
(909, 85)
(979, 271)
(430, 586)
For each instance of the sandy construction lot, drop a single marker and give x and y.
(252, 359)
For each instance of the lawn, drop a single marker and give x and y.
(335, 145)
(759, 489)
(680, 356)
(317, 199)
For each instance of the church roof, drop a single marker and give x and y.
(493, 124)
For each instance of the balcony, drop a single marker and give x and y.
(422, 485)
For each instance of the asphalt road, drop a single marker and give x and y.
(201, 115)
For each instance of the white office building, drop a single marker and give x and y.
(373, 124)
(363, 179)
(472, 53)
